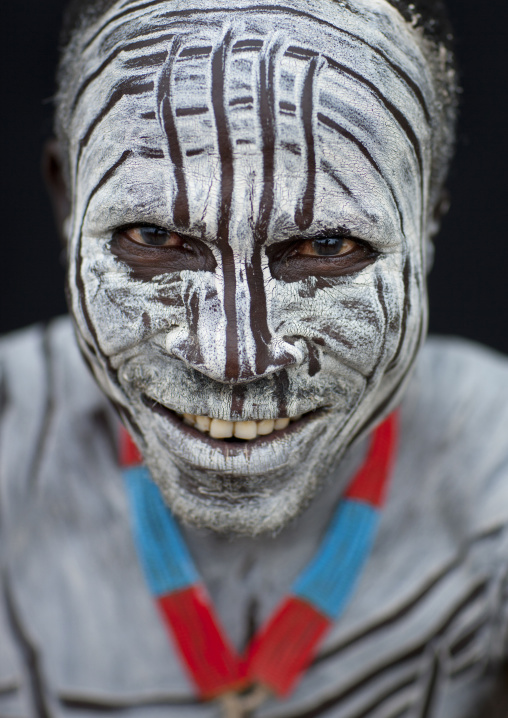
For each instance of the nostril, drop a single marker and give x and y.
(311, 354)
(174, 337)
(184, 346)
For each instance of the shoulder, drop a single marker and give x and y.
(48, 400)
(470, 371)
(26, 348)
(39, 362)
(455, 418)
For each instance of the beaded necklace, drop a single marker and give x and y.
(279, 654)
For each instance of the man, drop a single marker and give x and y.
(248, 192)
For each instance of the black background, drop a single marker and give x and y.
(468, 285)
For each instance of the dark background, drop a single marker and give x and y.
(468, 285)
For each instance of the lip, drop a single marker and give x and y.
(233, 446)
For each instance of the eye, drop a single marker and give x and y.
(326, 247)
(151, 251)
(334, 256)
(155, 237)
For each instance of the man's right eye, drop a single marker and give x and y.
(151, 251)
(155, 237)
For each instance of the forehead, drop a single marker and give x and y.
(316, 89)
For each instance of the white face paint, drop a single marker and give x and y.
(249, 128)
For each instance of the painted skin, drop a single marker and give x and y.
(250, 201)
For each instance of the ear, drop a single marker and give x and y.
(441, 208)
(54, 177)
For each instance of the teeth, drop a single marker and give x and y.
(247, 430)
(221, 429)
(266, 427)
(203, 423)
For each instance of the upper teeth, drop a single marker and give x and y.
(219, 429)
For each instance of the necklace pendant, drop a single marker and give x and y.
(236, 705)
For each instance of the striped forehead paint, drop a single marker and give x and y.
(245, 125)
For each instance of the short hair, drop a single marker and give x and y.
(430, 16)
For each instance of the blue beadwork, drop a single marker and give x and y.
(326, 583)
(329, 580)
(166, 561)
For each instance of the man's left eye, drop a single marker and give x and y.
(319, 257)
(325, 247)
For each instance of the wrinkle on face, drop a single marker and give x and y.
(261, 126)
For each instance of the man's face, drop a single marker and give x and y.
(246, 243)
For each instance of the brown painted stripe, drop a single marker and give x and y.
(330, 171)
(304, 214)
(151, 154)
(79, 261)
(247, 46)
(190, 111)
(190, 52)
(406, 279)
(266, 104)
(331, 124)
(272, 10)
(137, 63)
(429, 704)
(219, 58)
(247, 100)
(380, 287)
(131, 47)
(129, 87)
(167, 120)
(287, 106)
(400, 118)
(292, 147)
(255, 279)
(301, 53)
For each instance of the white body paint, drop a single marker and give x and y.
(427, 626)
(372, 177)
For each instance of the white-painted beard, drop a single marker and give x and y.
(245, 125)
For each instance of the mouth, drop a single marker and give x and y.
(234, 476)
(219, 432)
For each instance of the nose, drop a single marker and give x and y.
(229, 335)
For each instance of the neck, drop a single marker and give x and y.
(247, 577)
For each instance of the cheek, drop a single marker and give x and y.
(123, 311)
(356, 320)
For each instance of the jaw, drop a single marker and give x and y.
(240, 487)
(244, 487)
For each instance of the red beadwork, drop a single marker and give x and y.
(128, 451)
(282, 651)
(211, 661)
(286, 645)
(370, 483)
